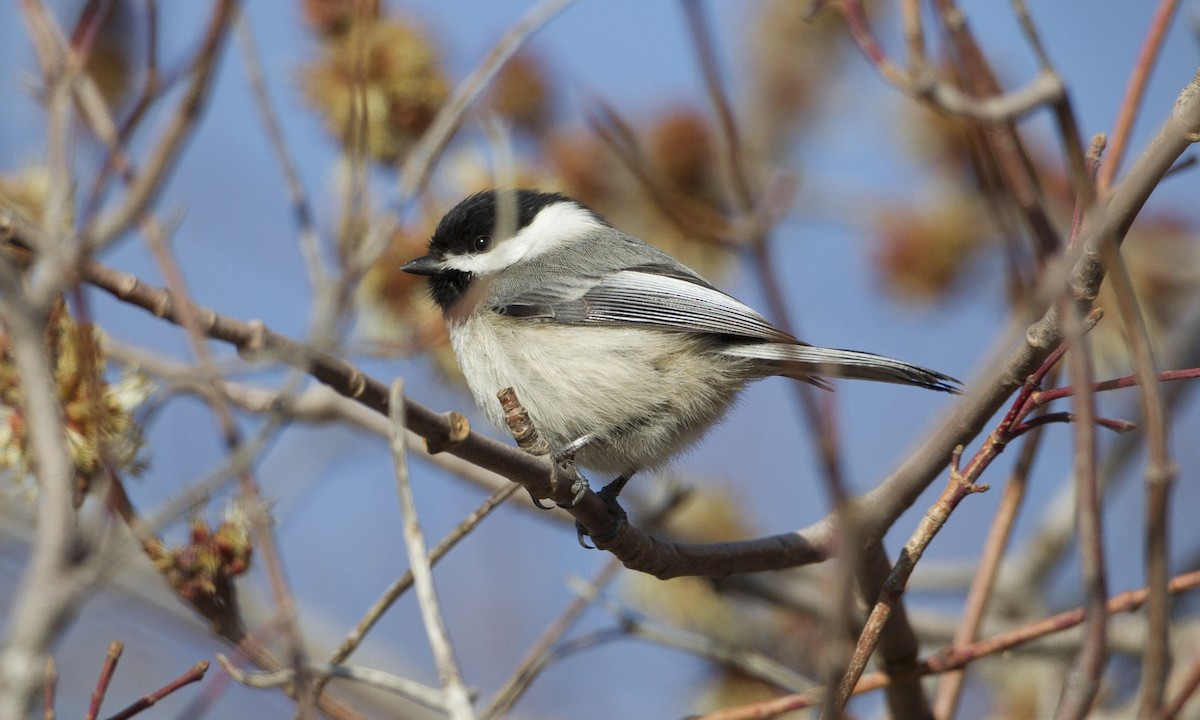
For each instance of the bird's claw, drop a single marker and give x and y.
(579, 488)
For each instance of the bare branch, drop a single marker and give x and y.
(410, 689)
(1083, 682)
(419, 164)
(1135, 91)
(458, 700)
(54, 580)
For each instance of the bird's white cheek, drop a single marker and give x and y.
(553, 227)
(503, 256)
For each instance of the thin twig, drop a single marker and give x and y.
(324, 672)
(525, 671)
(261, 527)
(958, 488)
(152, 89)
(150, 181)
(734, 156)
(458, 699)
(1083, 682)
(54, 579)
(419, 164)
(1135, 91)
(405, 581)
(49, 688)
(530, 665)
(739, 659)
(949, 689)
(1044, 397)
(954, 658)
(194, 674)
(1187, 688)
(1160, 472)
(693, 218)
(111, 658)
(301, 208)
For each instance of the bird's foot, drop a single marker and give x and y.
(608, 494)
(563, 459)
(563, 463)
(579, 488)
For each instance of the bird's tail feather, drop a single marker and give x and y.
(806, 362)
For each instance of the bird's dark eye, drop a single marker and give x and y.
(481, 243)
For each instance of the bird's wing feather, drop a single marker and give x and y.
(805, 361)
(644, 298)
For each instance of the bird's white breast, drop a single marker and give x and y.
(644, 394)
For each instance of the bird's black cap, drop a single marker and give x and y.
(475, 217)
(456, 233)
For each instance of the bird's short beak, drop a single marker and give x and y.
(425, 265)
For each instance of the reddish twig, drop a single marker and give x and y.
(115, 648)
(949, 689)
(957, 657)
(958, 487)
(962, 482)
(1135, 91)
(49, 688)
(91, 19)
(1044, 397)
(194, 674)
(1119, 426)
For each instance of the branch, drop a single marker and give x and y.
(54, 580)
(879, 507)
(410, 689)
(954, 658)
(111, 658)
(957, 489)
(419, 164)
(458, 700)
(1083, 680)
(897, 492)
(1135, 91)
(194, 674)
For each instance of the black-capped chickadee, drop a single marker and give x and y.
(616, 349)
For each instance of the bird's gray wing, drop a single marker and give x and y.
(658, 297)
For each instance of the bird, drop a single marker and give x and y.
(622, 356)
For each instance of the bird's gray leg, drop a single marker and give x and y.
(565, 457)
(567, 452)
